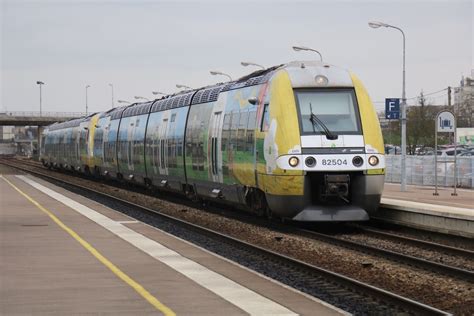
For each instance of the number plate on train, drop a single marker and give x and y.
(334, 162)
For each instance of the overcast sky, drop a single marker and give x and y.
(141, 46)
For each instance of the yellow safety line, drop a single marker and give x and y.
(119, 273)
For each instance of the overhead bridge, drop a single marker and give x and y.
(36, 118)
(40, 119)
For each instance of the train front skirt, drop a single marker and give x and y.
(332, 213)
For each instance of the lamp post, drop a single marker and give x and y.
(247, 63)
(112, 86)
(40, 83)
(158, 92)
(182, 86)
(141, 98)
(124, 102)
(403, 106)
(219, 73)
(303, 48)
(87, 87)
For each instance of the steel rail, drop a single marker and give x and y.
(469, 254)
(459, 273)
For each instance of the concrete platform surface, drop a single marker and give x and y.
(418, 207)
(424, 194)
(64, 254)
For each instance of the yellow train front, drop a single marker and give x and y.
(322, 146)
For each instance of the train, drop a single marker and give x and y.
(299, 141)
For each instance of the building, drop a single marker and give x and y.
(6, 134)
(464, 101)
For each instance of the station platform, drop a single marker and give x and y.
(418, 207)
(65, 254)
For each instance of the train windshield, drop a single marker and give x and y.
(335, 110)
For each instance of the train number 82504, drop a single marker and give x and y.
(334, 162)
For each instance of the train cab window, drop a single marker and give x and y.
(333, 109)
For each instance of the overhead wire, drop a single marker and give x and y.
(424, 94)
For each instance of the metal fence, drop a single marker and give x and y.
(420, 170)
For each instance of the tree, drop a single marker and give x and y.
(420, 125)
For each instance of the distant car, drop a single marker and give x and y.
(449, 152)
(466, 153)
(393, 150)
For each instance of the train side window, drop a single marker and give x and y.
(265, 118)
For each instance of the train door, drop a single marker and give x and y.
(105, 140)
(77, 151)
(163, 149)
(215, 132)
(155, 149)
(63, 147)
(83, 136)
(130, 142)
(215, 139)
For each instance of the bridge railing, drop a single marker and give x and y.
(42, 114)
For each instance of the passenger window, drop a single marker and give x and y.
(265, 118)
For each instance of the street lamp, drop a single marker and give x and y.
(247, 63)
(158, 92)
(182, 86)
(303, 48)
(403, 182)
(40, 83)
(219, 73)
(87, 87)
(124, 101)
(112, 86)
(141, 98)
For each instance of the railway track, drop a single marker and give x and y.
(405, 259)
(429, 245)
(349, 294)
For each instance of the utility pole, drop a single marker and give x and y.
(403, 108)
(449, 96)
(87, 107)
(112, 86)
(40, 83)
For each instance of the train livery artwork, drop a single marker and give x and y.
(298, 141)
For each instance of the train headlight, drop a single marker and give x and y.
(373, 160)
(321, 80)
(293, 161)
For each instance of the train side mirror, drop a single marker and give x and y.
(253, 100)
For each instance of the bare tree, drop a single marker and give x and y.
(420, 122)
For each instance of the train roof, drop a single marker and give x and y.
(67, 124)
(303, 73)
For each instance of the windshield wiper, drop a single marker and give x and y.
(325, 130)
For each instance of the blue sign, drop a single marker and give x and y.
(392, 109)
